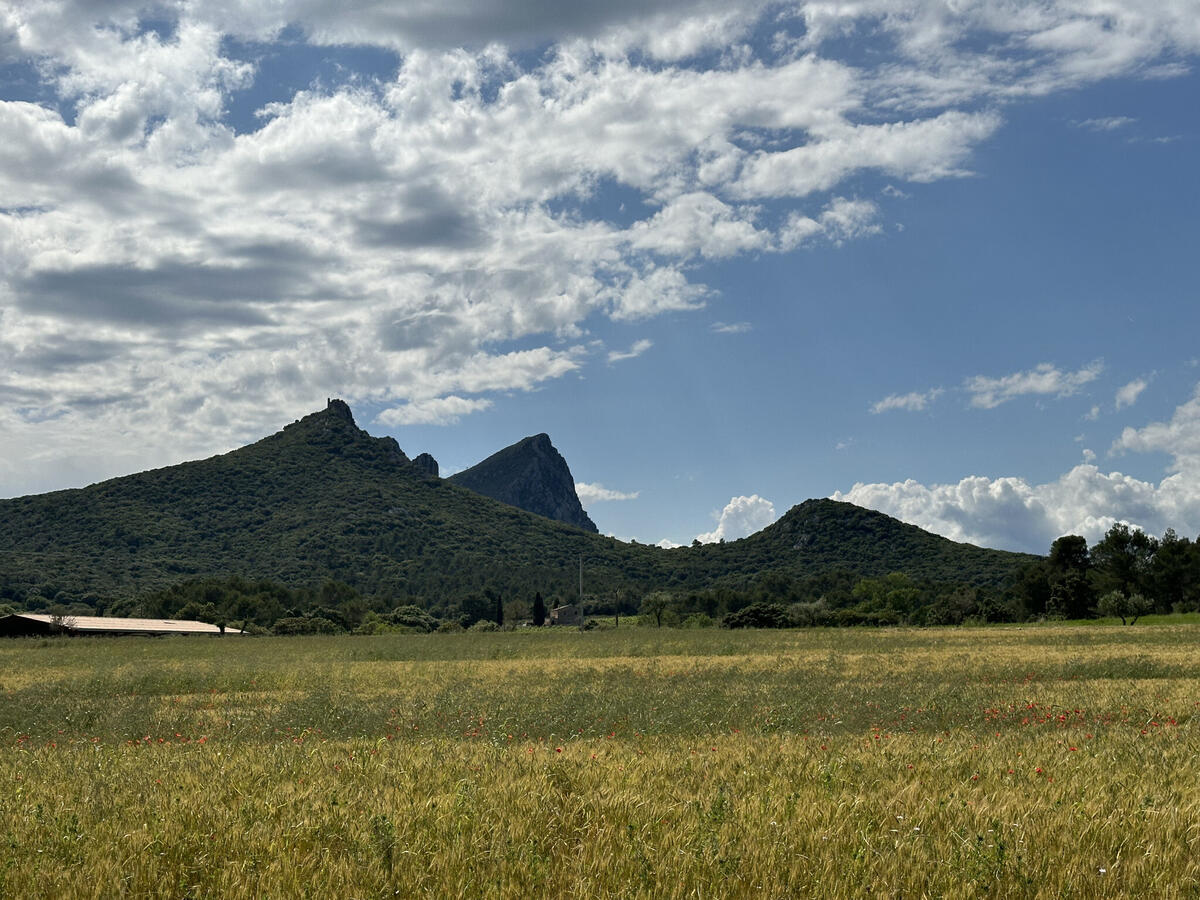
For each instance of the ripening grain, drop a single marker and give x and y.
(996, 762)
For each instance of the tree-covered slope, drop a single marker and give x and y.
(323, 499)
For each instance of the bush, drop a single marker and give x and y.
(484, 625)
(758, 615)
(698, 620)
(307, 625)
(412, 618)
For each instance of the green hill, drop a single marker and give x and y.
(322, 499)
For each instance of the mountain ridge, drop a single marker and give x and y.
(322, 499)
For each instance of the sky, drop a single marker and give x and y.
(933, 258)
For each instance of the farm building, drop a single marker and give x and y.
(566, 615)
(40, 624)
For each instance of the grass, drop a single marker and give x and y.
(1029, 762)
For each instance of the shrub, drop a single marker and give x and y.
(758, 615)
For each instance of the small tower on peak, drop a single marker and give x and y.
(339, 408)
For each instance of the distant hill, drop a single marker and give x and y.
(533, 476)
(323, 499)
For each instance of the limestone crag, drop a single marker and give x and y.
(426, 464)
(531, 475)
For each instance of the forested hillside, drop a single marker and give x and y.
(324, 501)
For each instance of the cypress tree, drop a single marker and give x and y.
(539, 611)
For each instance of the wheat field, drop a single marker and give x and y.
(1048, 761)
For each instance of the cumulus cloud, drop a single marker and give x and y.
(911, 402)
(638, 348)
(1016, 514)
(173, 275)
(598, 493)
(1128, 394)
(741, 517)
(1043, 380)
(1179, 437)
(435, 411)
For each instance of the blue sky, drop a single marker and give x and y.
(939, 262)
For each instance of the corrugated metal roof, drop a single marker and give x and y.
(96, 624)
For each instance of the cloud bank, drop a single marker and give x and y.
(1014, 514)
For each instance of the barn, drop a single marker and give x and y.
(41, 625)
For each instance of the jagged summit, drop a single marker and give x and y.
(530, 474)
(334, 429)
(427, 464)
(339, 408)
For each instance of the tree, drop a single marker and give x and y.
(1123, 607)
(1071, 593)
(893, 596)
(655, 604)
(1175, 574)
(539, 610)
(1122, 560)
(499, 615)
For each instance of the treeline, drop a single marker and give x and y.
(263, 606)
(1126, 574)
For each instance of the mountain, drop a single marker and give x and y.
(322, 499)
(530, 475)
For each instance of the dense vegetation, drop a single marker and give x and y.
(322, 509)
(1049, 761)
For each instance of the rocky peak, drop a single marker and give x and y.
(339, 408)
(427, 464)
(532, 475)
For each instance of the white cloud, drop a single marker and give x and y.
(1179, 437)
(598, 493)
(1107, 123)
(911, 402)
(1016, 514)
(638, 348)
(434, 411)
(731, 327)
(1044, 380)
(174, 282)
(741, 517)
(1129, 393)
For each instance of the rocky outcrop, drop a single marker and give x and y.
(532, 476)
(427, 464)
